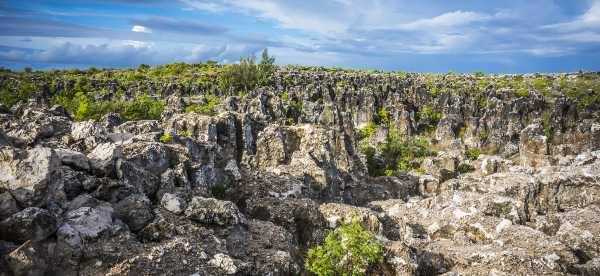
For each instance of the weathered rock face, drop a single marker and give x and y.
(28, 175)
(249, 189)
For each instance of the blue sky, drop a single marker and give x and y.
(431, 36)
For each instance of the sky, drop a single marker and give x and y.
(510, 36)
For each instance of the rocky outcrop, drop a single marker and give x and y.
(250, 187)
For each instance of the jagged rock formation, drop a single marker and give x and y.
(248, 190)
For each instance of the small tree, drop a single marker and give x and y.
(348, 250)
(246, 75)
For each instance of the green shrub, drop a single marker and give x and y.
(348, 250)
(369, 151)
(472, 154)
(465, 168)
(84, 108)
(209, 106)
(166, 138)
(541, 84)
(522, 92)
(398, 154)
(368, 130)
(433, 117)
(247, 75)
(284, 96)
(185, 133)
(478, 74)
(382, 117)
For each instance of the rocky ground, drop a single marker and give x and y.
(247, 191)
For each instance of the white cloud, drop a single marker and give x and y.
(141, 29)
(589, 20)
(446, 20)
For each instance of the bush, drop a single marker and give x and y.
(185, 133)
(522, 92)
(22, 93)
(397, 153)
(382, 117)
(479, 74)
(247, 75)
(209, 106)
(84, 108)
(472, 154)
(165, 138)
(401, 155)
(368, 130)
(348, 250)
(465, 168)
(433, 117)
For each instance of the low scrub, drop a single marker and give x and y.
(397, 154)
(472, 154)
(208, 107)
(348, 250)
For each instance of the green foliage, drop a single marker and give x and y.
(398, 154)
(462, 132)
(541, 84)
(402, 154)
(382, 117)
(348, 250)
(166, 138)
(369, 151)
(465, 168)
(479, 74)
(368, 130)
(472, 154)
(522, 92)
(247, 75)
(585, 91)
(433, 117)
(185, 133)
(21, 94)
(85, 108)
(284, 96)
(482, 84)
(209, 106)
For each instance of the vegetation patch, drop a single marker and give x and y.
(348, 250)
(209, 106)
(397, 154)
(472, 154)
(464, 168)
(368, 130)
(429, 117)
(166, 138)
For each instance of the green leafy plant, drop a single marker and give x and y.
(209, 106)
(522, 92)
(433, 117)
(348, 250)
(382, 117)
(185, 133)
(465, 168)
(472, 154)
(479, 74)
(166, 138)
(368, 130)
(398, 154)
(247, 75)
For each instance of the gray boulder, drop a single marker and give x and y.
(214, 211)
(30, 224)
(27, 175)
(135, 211)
